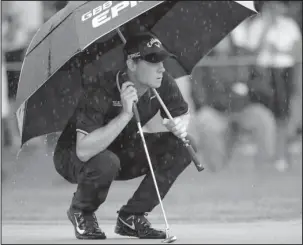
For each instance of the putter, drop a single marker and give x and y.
(168, 239)
(186, 141)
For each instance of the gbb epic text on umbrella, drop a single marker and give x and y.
(107, 14)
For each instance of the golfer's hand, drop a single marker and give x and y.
(177, 127)
(128, 97)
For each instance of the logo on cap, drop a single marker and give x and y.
(135, 55)
(154, 41)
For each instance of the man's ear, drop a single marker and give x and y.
(131, 64)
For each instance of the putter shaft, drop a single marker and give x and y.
(153, 175)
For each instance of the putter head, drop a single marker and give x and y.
(169, 239)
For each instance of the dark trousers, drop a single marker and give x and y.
(169, 158)
(273, 87)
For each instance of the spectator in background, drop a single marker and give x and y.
(294, 125)
(26, 18)
(295, 12)
(6, 132)
(8, 33)
(223, 110)
(273, 36)
(52, 7)
(295, 117)
(60, 5)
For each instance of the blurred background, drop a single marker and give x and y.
(246, 102)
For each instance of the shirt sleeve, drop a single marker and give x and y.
(172, 97)
(91, 112)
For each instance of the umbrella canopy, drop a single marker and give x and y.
(80, 43)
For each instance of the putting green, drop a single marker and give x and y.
(257, 232)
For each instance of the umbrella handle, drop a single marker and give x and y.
(186, 140)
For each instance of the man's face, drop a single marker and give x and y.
(149, 74)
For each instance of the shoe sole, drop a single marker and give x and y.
(84, 237)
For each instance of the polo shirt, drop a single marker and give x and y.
(100, 104)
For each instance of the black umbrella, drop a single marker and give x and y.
(81, 42)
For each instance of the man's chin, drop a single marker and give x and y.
(156, 84)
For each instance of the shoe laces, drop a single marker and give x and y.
(142, 220)
(145, 225)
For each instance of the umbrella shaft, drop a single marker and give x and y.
(121, 35)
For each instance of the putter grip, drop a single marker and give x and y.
(188, 146)
(194, 158)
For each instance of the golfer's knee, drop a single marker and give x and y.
(103, 166)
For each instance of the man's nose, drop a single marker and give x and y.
(161, 67)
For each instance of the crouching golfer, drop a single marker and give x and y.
(101, 142)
